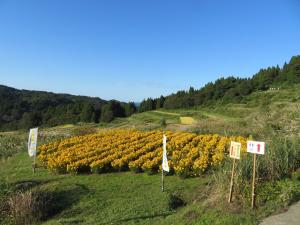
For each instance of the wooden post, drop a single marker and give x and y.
(162, 170)
(253, 182)
(34, 164)
(162, 180)
(231, 181)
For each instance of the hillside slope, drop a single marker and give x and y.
(230, 89)
(260, 114)
(24, 109)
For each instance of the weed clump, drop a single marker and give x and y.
(175, 201)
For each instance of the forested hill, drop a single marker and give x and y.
(229, 89)
(24, 109)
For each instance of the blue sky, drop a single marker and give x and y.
(133, 49)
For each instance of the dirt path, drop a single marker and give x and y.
(291, 217)
(167, 113)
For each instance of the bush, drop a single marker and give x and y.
(163, 122)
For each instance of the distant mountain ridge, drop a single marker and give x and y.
(24, 108)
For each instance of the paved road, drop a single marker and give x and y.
(291, 217)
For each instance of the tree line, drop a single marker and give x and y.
(24, 109)
(230, 89)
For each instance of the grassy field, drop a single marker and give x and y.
(101, 199)
(130, 198)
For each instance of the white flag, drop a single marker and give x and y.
(165, 165)
(32, 142)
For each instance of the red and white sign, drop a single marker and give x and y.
(256, 147)
(235, 150)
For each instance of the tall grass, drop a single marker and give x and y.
(11, 144)
(23, 208)
(281, 159)
(5, 190)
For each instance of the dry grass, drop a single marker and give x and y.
(23, 208)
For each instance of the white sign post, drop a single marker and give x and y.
(255, 147)
(165, 165)
(32, 143)
(234, 152)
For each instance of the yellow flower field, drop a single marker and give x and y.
(116, 150)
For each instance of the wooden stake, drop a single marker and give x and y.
(162, 172)
(231, 181)
(34, 164)
(253, 182)
(162, 180)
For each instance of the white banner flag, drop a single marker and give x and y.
(32, 142)
(165, 165)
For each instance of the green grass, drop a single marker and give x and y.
(111, 198)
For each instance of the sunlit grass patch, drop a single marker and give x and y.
(186, 120)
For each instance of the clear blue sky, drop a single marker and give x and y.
(130, 50)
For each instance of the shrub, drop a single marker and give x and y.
(163, 122)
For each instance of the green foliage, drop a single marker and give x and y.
(87, 113)
(147, 105)
(160, 102)
(129, 109)
(163, 122)
(107, 114)
(25, 109)
(111, 110)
